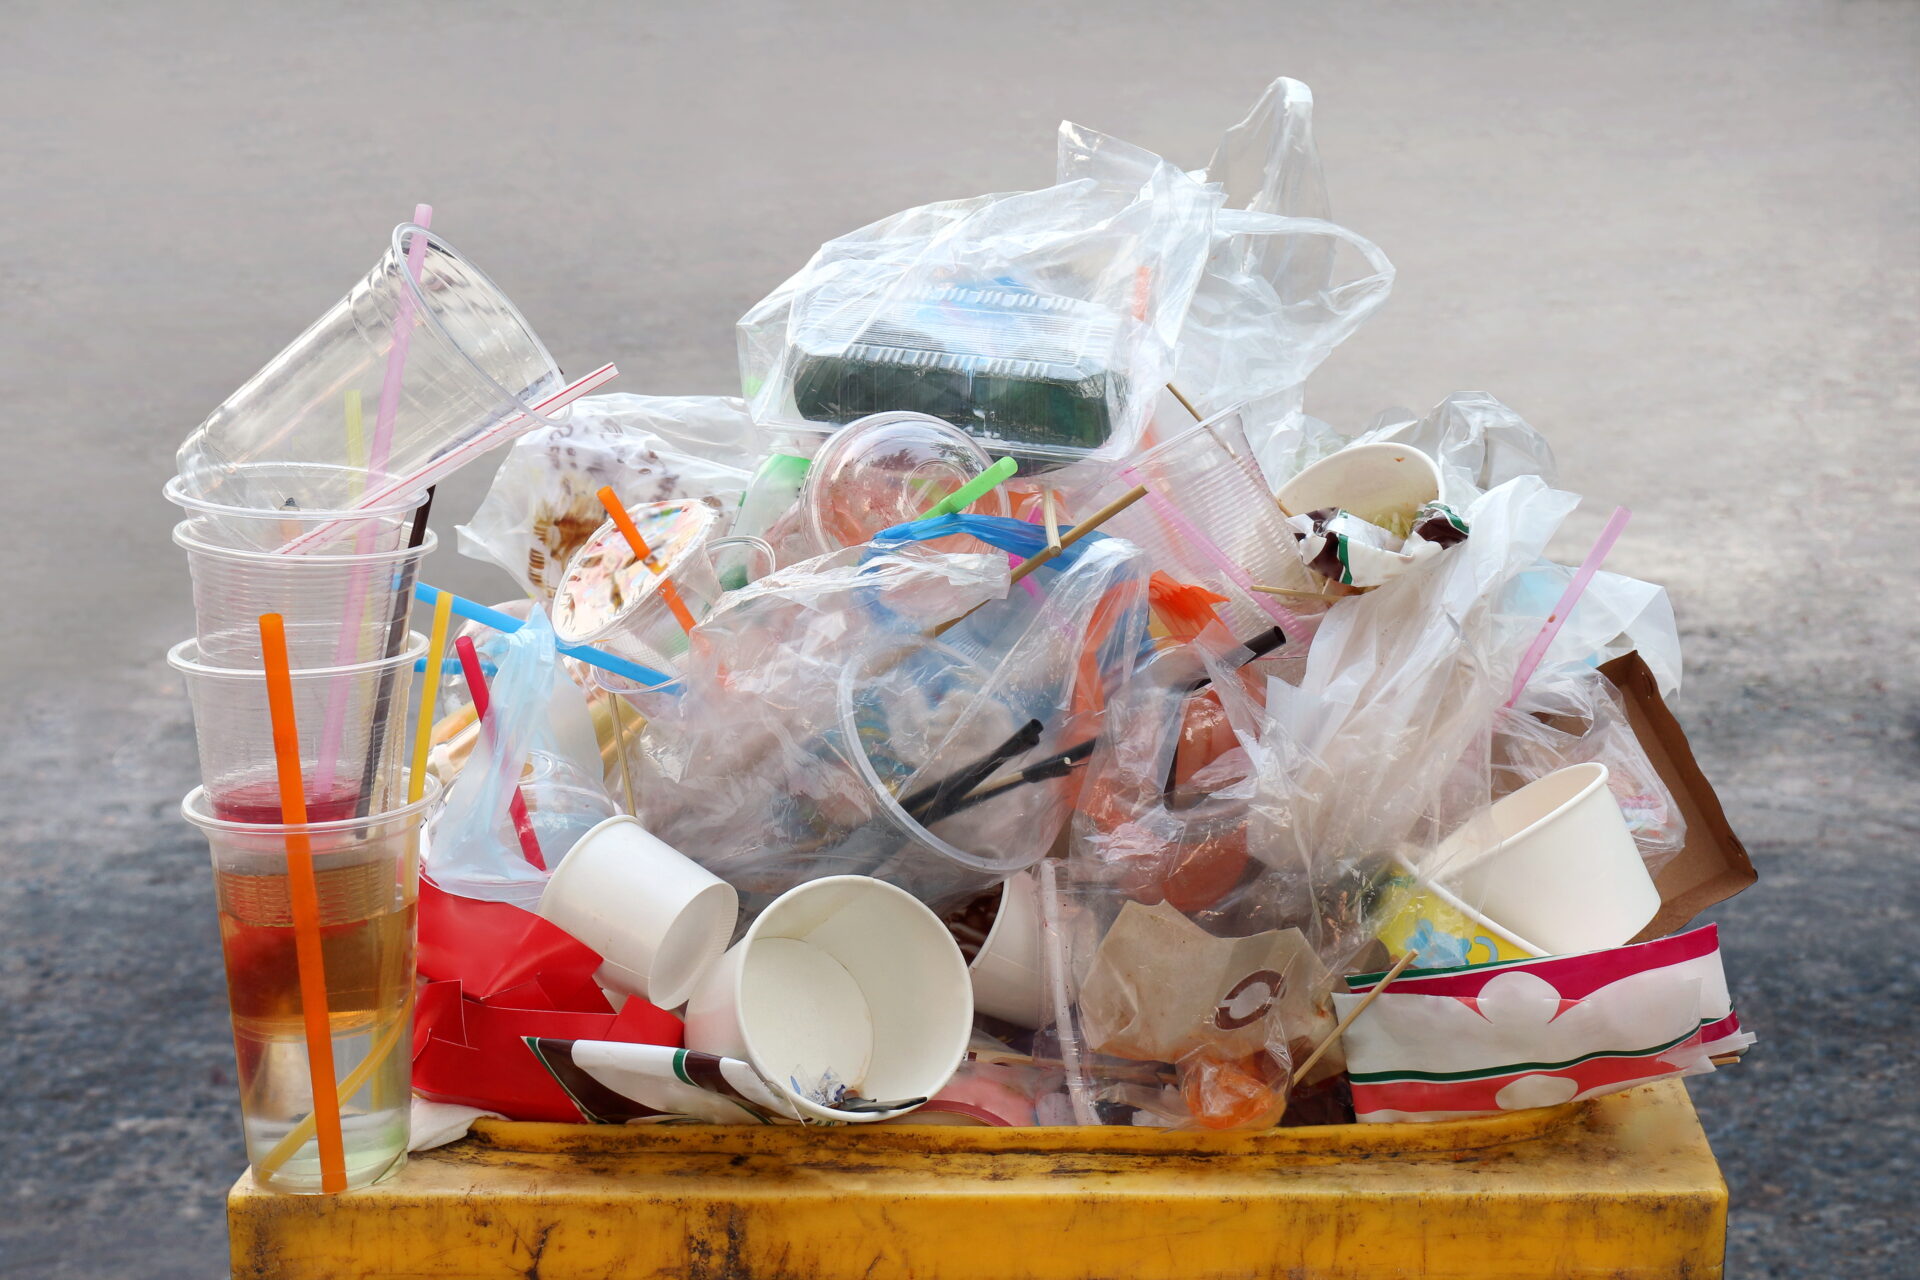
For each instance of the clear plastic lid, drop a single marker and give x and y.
(605, 583)
(886, 470)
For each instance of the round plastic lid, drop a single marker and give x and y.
(887, 469)
(604, 581)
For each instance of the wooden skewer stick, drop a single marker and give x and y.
(1184, 402)
(1067, 539)
(1289, 591)
(1321, 1049)
(1051, 514)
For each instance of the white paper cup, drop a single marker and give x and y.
(847, 975)
(1008, 982)
(1565, 871)
(1370, 480)
(658, 919)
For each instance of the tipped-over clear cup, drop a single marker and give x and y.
(471, 360)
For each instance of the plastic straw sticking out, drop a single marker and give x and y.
(429, 691)
(477, 686)
(1289, 621)
(1616, 523)
(973, 490)
(303, 896)
(507, 624)
(631, 532)
(452, 460)
(397, 353)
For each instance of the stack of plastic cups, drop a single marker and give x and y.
(304, 498)
(352, 655)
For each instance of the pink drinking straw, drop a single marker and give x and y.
(1290, 622)
(1568, 598)
(344, 654)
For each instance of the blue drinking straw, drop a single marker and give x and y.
(508, 623)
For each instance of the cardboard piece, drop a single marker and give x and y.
(1712, 865)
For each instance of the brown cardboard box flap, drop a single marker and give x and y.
(1712, 865)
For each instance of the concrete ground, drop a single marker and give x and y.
(1679, 238)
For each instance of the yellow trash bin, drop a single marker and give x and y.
(1623, 1187)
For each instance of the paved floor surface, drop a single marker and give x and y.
(1678, 238)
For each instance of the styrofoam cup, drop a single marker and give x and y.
(1370, 480)
(845, 975)
(1565, 871)
(658, 919)
(1008, 982)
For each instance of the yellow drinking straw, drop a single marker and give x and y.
(356, 438)
(423, 733)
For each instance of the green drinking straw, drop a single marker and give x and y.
(972, 491)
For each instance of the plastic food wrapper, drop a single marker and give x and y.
(477, 850)
(1283, 286)
(1445, 1044)
(818, 731)
(542, 505)
(1041, 321)
(1575, 715)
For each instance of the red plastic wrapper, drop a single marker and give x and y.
(497, 974)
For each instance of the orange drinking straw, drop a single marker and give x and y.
(611, 501)
(303, 895)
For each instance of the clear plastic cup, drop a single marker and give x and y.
(888, 469)
(368, 598)
(279, 519)
(610, 599)
(1208, 520)
(471, 362)
(360, 774)
(366, 873)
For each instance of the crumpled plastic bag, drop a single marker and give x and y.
(476, 849)
(819, 731)
(1268, 310)
(542, 505)
(1041, 321)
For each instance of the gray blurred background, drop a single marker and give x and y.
(1678, 238)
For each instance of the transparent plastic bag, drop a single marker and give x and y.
(479, 848)
(1268, 309)
(1041, 321)
(1381, 750)
(543, 505)
(820, 731)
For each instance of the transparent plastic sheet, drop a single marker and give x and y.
(1573, 715)
(818, 724)
(1268, 309)
(476, 849)
(1041, 321)
(542, 505)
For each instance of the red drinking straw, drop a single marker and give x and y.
(303, 896)
(477, 686)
